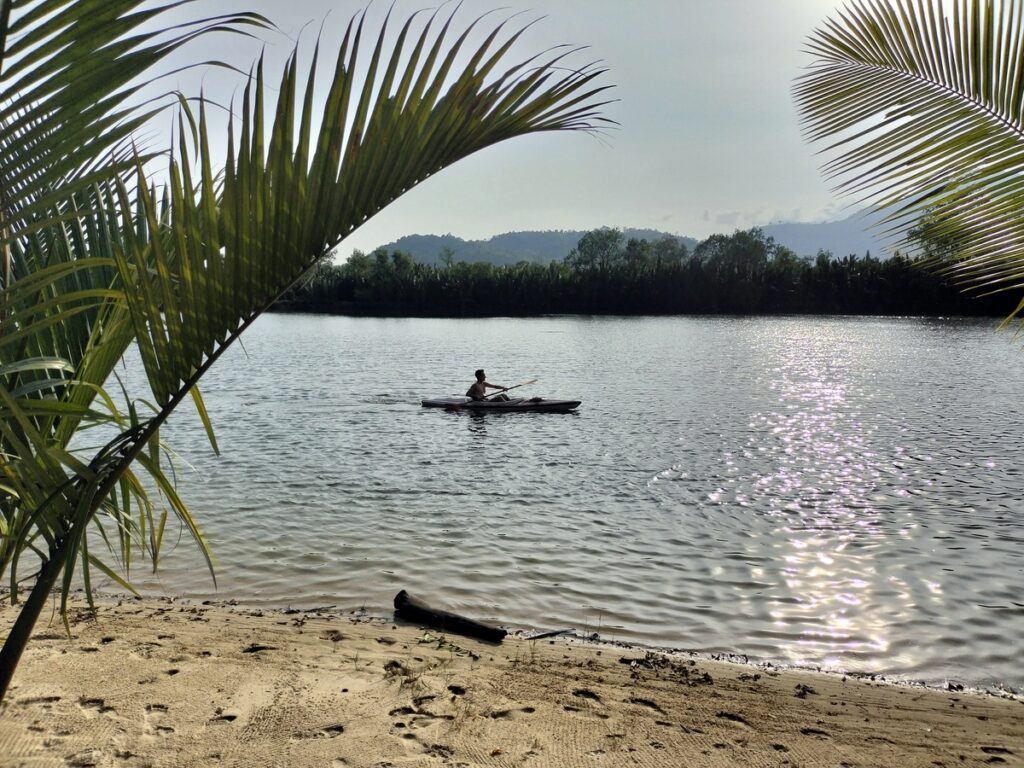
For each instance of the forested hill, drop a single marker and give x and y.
(841, 238)
(507, 249)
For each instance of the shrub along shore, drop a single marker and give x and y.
(160, 683)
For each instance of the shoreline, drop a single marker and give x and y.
(525, 632)
(573, 635)
(168, 682)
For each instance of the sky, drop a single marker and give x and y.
(707, 141)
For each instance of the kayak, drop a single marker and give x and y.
(513, 405)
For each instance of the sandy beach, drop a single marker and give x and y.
(162, 683)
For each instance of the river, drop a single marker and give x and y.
(834, 492)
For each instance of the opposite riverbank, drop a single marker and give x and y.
(160, 683)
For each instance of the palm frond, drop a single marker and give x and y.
(64, 328)
(184, 275)
(922, 105)
(68, 73)
(286, 199)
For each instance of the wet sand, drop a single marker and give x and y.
(154, 683)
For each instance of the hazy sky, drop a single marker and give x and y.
(708, 138)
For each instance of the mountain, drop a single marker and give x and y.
(846, 236)
(851, 235)
(509, 248)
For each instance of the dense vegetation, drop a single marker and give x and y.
(742, 273)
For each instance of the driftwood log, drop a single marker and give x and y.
(413, 609)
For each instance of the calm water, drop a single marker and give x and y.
(842, 492)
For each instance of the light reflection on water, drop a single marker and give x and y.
(834, 491)
(824, 538)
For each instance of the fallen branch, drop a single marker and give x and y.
(415, 610)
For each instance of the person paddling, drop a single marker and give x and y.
(478, 389)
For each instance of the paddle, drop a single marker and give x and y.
(514, 386)
(489, 398)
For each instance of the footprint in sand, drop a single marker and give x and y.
(508, 714)
(333, 635)
(257, 648)
(417, 730)
(881, 739)
(585, 708)
(734, 718)
(994, 754)
(153, 719)
(440, 750)
(815, 732)
(44, 702)
(327, 732)
(414, 745)
(144, 650)
(96, 707)
(88, 758)
(646, 703)
(423, 718)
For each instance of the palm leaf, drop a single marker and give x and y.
(283, 203)
(190, 271)
(71, 310)
(55, 139)
(922, 109)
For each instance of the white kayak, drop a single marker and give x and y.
(512, 405)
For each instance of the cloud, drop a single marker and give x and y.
(727, 219)
(831, 211)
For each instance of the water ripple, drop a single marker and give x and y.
(830, 491)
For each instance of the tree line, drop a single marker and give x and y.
(742, 273)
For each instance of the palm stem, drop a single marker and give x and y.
(20, 633)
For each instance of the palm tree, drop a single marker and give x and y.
(97, 260)
(923, 101)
